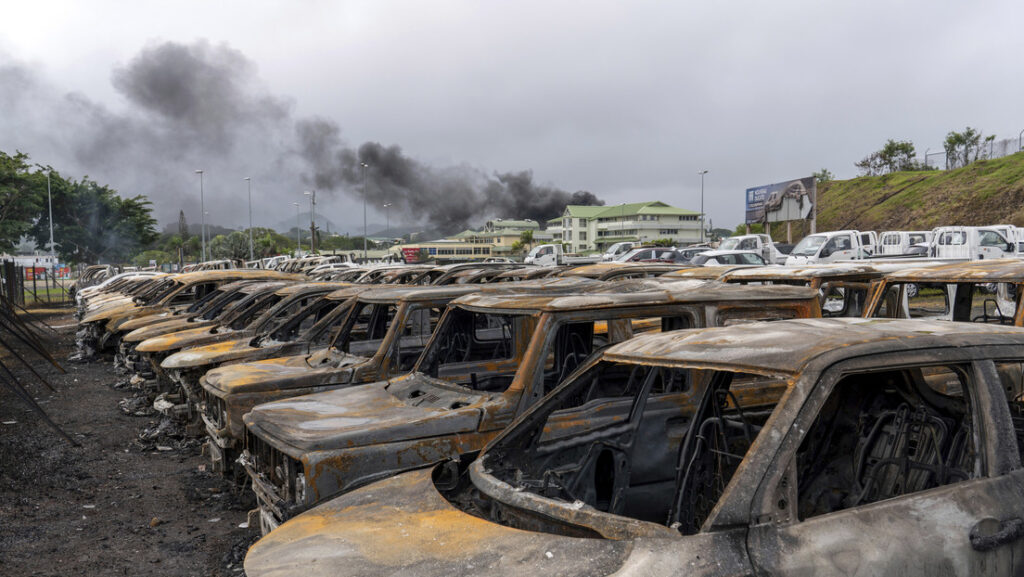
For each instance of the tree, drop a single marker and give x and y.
(962, 148)
(268, 242)
(517, 247)
(161, 257)
(234, 245)
(92, 223)
(822, 176)
(526, 238)
(755, 228)
(21, 198)
(895, 155)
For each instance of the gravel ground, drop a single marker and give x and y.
(116, 505)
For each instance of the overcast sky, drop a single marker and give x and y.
(627, 100)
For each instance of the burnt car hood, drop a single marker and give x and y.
(212, 354)
(366, 415)
(162, 327)
(110, 312)
(282, 374)
(161, 317)
(188, 338)
(402, 525)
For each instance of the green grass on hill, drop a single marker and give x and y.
(986, 192)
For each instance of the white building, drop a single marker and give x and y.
(593, 228)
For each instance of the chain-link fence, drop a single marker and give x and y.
(34, 286)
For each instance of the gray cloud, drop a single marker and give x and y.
(201, 105)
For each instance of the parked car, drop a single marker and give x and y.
(715, 257)
(802, 447)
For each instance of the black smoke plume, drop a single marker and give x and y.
(450, 199)
(202, 106)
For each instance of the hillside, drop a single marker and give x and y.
(986, 192)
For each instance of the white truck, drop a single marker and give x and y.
(869, 242)
(552, 254)
(899, 242)
(827, 247)
(760, 243)
(971, 243)
(618, 249)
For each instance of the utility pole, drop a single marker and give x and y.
(702, 173)
(251, 252)
(312, 219)
(364, 167)
(298, 232)
(202, 210)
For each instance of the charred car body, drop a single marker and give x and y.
(241, 309)
(384, 333)
(101, 329)
(304, 322)
(987, 291)
(802, 447)
(491, 357)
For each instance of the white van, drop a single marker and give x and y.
(827, 247)
(898, 242)
(971, 243)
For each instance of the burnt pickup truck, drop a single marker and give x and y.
(985, 291)
(101, 329)
(491, 357)
(208, 312)
(304, 322)
(801, 447)
(382, 336)
(844, 288)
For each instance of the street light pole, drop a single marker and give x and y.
(202, 210)
(364, 167)
(312, 219)
(702, 173)
(298, 231)
(387, 217)
(49, 200)
(251, 252)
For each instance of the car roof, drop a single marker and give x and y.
(635, 292)
(305, 287)
(233, 274)
(716, 252)
(710, 272)
(994, 270)
(788, 346)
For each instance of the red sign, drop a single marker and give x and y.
(411, 255)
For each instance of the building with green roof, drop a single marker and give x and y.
(594, 228)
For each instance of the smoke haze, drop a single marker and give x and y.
(201, 106)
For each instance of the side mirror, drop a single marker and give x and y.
(825, 252)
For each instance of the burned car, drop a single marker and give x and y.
(382, 337)
(844, 288)
(801, 447)
(202, 313)
(239, 311)
(491, 357)
(384, 333)
(303, 323)
(102, 329)
(621, 270)
(987, 291)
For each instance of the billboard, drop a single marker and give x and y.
(782, 201)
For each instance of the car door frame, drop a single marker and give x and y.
(774, 529)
